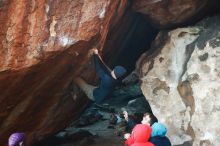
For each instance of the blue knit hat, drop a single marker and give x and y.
(158, 129)
(16, 138)
(119, 71)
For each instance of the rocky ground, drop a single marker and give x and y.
(101, 132)
(103, 136)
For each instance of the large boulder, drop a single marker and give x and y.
(181, 81)
(44, 44)
(171, 13)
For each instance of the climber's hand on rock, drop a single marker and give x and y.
(92, 52)
(127, 135)
(95, 51)
(125, 113)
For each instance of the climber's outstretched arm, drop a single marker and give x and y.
(100, 66)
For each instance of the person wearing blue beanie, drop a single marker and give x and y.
(109, 79)
(158, 135)
(119, 71)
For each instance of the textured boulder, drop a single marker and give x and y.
(170, 13)
(182, 84)
(44, 44)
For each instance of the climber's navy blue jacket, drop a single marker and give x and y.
(160, 141)
(107, 83)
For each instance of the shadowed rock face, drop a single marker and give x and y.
(44, 44)
(171, 13)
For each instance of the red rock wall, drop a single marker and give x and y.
(43, 46)
(173, 13)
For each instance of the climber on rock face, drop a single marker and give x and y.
(147, 118)
(109, 79)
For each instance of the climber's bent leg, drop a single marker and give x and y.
(85, 87)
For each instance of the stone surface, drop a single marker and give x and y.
(181, 82)
(44, 44)
(170, 13)
(104, 132)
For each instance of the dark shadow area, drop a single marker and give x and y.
(125, 42)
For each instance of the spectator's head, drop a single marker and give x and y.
(158, 129)
(16, 139)
(141, 133)
(149, 119)
(138, 117)
(119, 72)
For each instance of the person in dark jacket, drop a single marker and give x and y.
(147, 118)
(132, 120)
(109, 79)
(158, 135)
